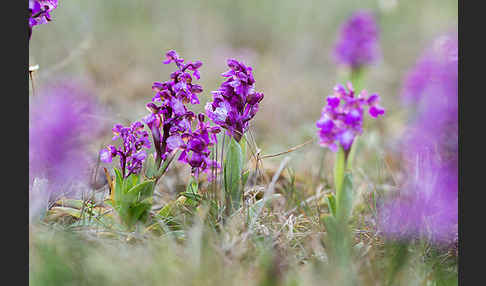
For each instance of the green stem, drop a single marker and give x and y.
(339, 168)
(357, 78)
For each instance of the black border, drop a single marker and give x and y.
(15, 127)
(471, 151)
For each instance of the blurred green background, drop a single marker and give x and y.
(116, 47)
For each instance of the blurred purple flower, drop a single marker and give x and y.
(435, 71)
(39, 12)
(235, 103)
(427, 206)
(61, 125)
(131, 153)
(342, 118)
(358, 42)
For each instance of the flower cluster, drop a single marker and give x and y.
(342, 118)
(39, 12)
(131, 153)
(170, 120)
(196, 151)
(235, 102)
(358, 42)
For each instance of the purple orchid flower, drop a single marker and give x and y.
(342, 118)
(170, 120)
(39, 12)
(358, 43)
(235, 103)
(131, 152)
(196, 151)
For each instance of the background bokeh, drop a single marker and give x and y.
(116, 47)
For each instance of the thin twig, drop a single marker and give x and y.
(289, 150)
(256, 155)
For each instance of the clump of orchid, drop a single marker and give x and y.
(40, 12)
(234, 104)
(341, 121)
(170, 124)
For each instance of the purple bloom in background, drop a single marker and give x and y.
(358, 42)
(39, 12)
(131, 152)
(427, 205)
(342, 118)
(235, 103)
(170, 120)
(60, 127)
(436, 69)
(196, 151)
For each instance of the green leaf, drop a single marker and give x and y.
(134, 204)
(352, 153)
(232, 175)
(118, 188)
(244, 177)
(339, 167)
(337, 241)
(150, 168)
(151, 171)
(57, 211)
(344, 200)
(130, 182)
(167, 210)
(137, 212)
(192, 187)
(331, 227)
(192, 200)
(142, 191)
(165, 164)
(331, 203)
(243, 144)
(70, 203)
